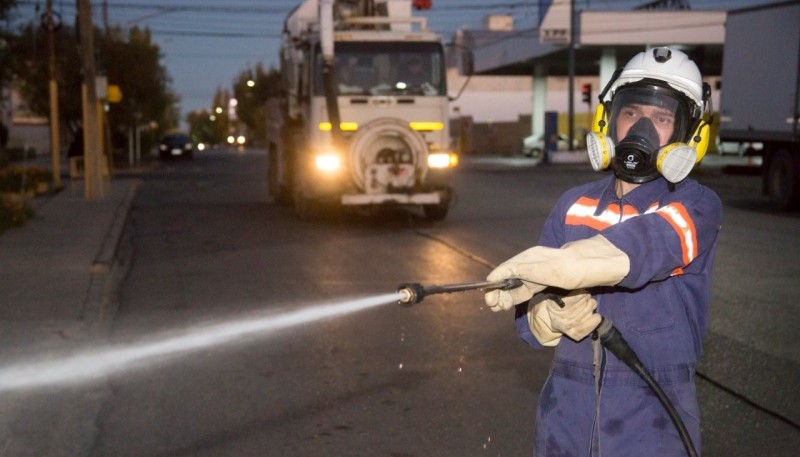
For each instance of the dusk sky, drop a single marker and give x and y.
(207, 43)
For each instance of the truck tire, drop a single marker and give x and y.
(436, 212)
(781, 181)
(306, 208)
(278, 192)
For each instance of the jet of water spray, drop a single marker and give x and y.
(97, 363)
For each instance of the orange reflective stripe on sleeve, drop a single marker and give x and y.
(681, 222)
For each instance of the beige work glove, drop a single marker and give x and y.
(548, 321)
(576, 265)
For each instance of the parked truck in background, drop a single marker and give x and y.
(760, 97)
(362, 119)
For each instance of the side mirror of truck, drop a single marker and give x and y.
(467, 62)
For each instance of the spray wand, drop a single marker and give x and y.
(610, 338)
(413, 293)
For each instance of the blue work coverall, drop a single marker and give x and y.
(661, 308)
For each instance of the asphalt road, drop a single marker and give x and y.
(447, 377)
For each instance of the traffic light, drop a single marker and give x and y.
(422, 4)
(586, 90)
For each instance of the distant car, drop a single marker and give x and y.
(176, 145)
(533, 146)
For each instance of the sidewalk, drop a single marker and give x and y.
(57, 273)
(64, 251)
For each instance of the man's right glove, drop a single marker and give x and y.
(548, 321)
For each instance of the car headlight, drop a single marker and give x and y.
(328, 162)
(442, 160)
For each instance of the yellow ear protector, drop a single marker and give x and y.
(598, 144)
(701, 137)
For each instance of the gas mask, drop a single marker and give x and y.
(634, 156)
(648, 134)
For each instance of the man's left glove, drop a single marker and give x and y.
(580, 264)
(548, 321)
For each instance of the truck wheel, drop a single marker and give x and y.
(435, 212)
(280, 193)
(306, 208)
(782, 185)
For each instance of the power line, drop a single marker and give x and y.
(228, 8)
(214, 34)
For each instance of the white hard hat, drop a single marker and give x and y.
(664, 64)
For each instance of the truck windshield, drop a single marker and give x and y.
(386, 68)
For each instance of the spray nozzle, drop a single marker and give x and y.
(413, 293)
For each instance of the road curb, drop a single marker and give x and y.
(103, 266)
(104, 259)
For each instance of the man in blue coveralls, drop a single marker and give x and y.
(637, 247)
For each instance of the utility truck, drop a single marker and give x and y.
(760, 97)
(362, 117)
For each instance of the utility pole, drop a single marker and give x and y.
(55, 123)
(92, 172)
(105, 16)
(571, 71)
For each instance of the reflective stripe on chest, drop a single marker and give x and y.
(583, 212)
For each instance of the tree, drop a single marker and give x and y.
(29, 68)
(132, 62)
(5, 73)
(219, 110)
(251, 89)
(202, 127)
(5, 35)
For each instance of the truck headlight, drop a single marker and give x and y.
(328, 162)
(442, 160)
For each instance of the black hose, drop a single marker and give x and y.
(612, 340)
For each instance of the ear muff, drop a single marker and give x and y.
(598, 144)
(600, 119)
(600, 149)
(700, 139)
